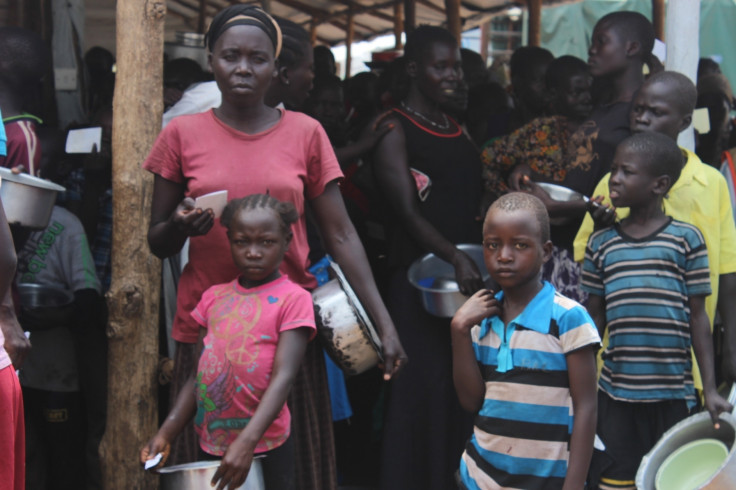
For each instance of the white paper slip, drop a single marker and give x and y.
(153, 461)
(701, 120)
(216, 201)
(83, 140)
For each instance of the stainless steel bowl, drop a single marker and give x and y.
(27, 200)
(197, 476)
(43, 307)
(345, 328)
(560, 193)
(435, 279)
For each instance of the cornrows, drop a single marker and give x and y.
(286, 210)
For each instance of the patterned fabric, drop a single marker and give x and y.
(646, 284)
(234, 370)
(564, 273)
(523, 429)
(546, 145)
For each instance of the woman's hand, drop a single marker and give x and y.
(480, 305)
(234, 467)
(715, 404)
(394, 357)
(467, 275)
(157, 444)
(518, 175)
(192, 221)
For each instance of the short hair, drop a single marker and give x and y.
(296, 41)
(285, 210)
(523, 201)
(523, 60)
(324, 61)
(182, 72)
(681, 90)
(708, 66)
(562, 69)
(420, 40)
(660, 153)
(631, 26)
(326, 83)
(23, 57)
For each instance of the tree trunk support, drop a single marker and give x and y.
(535, 22)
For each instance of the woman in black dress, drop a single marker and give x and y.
(425, 427)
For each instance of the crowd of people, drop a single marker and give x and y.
(610, 316)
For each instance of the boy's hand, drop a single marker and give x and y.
(156, 445)
(715, 404)
(234, 467)
(481, 305)
(604, 215)
(192, 221)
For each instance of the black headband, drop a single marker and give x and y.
(247, 15)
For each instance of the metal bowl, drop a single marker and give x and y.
(435, 280)
(27, 200)
(197, 476)
(560, 193)
(345, 328)
(44, 307)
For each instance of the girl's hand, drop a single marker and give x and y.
(467, 274)
(481, 305)
(715, 404)
(531, 187)
(394, 357)
(192, 221)
(234, 467)
(157, 444)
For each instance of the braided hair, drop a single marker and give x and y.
(285, 210)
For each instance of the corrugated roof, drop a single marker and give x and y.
(370, 18)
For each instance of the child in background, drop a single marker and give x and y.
(524, 361)
(255, 332)
(647, 277)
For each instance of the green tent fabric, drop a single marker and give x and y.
(566, 29)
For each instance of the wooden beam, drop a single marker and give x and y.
(313, 31)
(398, 25)
(658, 15)
(535, 22)
(349, 42)
(374, 13)
(434, 7)
(454, 23)
(410, 16)
(133, 299)
(484, 38)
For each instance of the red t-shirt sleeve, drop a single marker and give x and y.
(297, 312)
(165, 157)
(322, 164)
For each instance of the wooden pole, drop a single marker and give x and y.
(484, 28)
(410, 16)
(266, 5)
(398, 25)
(313, 30)
(454, 23)
(349, 42)
(658, 15)
(535, 22)
(136, 274)
(683, 25)
(202, 15)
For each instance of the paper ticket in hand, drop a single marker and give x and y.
(153, 461)
(83, 140)
(216, 201)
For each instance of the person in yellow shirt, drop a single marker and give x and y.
(665, 104)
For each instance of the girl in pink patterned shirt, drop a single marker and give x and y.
(254, 334)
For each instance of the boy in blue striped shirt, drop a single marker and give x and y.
(648, 278)
(524, 361)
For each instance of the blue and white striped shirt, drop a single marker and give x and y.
(522, 431)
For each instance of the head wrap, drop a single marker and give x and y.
(244, 15)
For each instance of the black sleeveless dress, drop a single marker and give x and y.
(425, 428)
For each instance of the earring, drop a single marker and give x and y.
(286, 82)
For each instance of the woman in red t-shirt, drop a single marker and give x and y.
(245, 147)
